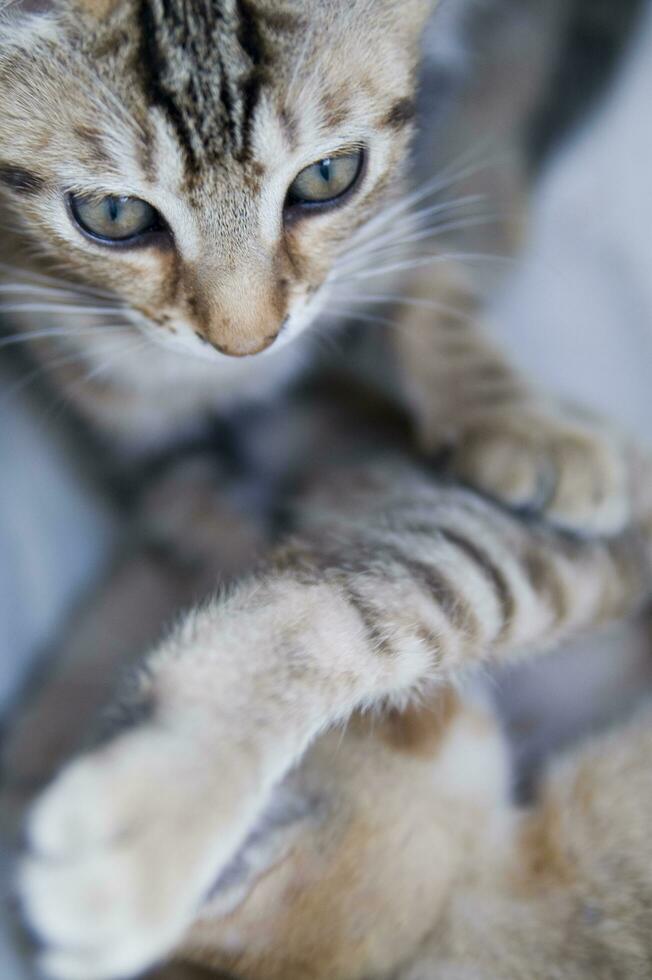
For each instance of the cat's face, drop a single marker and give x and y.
(207, 161)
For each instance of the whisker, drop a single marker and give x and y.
(414, 218)
(356, 315)
(127, 349)
(36, 290)
(426, 260)
(27, 379)
(426, 234)
(26, 336)
(435, 185)
(475, 221)
(69, 387)
(56, 308)
(396, 299)
(22, 383)
(40, 277)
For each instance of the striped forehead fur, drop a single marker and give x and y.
(204, 64)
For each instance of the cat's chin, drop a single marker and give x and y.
(161, 394)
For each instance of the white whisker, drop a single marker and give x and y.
(431, 187)
(426, 234)
(426, 260)
(56, 362)
(356, 315)
(109, 362)
(17, 288)
(66, 284)
(396, 299)
(414, 219)
(27, 336)
(56, 308)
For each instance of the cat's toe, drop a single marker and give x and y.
(123, 846)
(574, 477)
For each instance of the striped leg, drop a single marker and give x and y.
(505, 438)
(392, 583)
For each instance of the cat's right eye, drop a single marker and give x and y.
(114, 220)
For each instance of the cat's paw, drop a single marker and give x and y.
(572, 474)
(123, 847)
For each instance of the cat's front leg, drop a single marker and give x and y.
(543, 461)
(128, 840)
(394, 583)
(503, 437)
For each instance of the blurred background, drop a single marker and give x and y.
(552, 97)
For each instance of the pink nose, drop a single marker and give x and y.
(245, 347)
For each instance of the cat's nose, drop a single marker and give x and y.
(239, 311)
(245, 346)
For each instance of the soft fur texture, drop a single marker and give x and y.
(393, 849)
(132, 836)
(459, 883)
(395, 580)
(208, 112)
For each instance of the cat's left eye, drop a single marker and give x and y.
(113, 219)
(326, 180)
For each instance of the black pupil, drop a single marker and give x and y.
(325, 170)
(114, 208)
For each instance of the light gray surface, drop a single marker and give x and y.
(54, 535)
(579, 313)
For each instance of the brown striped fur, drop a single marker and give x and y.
(338, 621)
(395, 581)
(208, 111)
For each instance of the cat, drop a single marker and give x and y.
(129, 839)
(265, 153)
(342, 880)
(247, 214)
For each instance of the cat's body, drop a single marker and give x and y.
(393, 848)
(344, 880)
(204, 172)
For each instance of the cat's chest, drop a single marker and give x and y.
(161, 399)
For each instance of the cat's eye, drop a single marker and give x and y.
(326, 180)
(114, 220)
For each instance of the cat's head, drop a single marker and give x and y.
(207, 161)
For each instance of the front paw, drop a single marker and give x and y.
(124, 846)
(573, 474)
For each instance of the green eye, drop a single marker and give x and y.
(327, 179)
(114, 219)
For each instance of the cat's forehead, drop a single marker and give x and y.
(240, 81)
(206, 64)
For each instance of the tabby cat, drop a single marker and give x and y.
(180, 835)
(343, 881)
(204, 171)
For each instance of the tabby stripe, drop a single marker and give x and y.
(251, 42)
(448, 596)
(369, 616)
(491, 571)
(154, 64)
(545, 582)
(20, 180)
